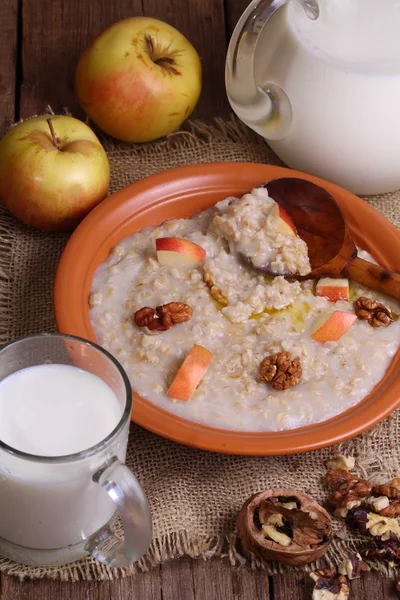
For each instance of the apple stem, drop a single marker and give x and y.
(54, 137)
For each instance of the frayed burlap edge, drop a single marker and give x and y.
(179, 544)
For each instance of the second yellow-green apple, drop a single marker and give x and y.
(139, 79)
(53, 171)
(333, 289)
(176, 252)
(330, 327)
(284, 223)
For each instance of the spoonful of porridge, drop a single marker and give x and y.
(300, 233)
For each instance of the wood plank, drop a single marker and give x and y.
(188, 579)
(55, 33)
(233, 11)
(374, 587)
(177, 580)
(298, 586)
(250, 585)
(144, 586)
(293, 585)
(212, 579)
(8, 65)
(203, 23)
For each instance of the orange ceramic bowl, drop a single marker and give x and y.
(180, 193)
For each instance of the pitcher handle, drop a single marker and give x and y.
(265, 108)
(132, 506)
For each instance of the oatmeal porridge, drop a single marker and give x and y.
(265, 354)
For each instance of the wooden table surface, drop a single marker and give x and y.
(40, 42)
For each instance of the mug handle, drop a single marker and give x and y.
(131, 503)
(265, 108)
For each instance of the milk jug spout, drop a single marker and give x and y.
(263, 107)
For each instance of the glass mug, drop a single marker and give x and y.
(54, 510)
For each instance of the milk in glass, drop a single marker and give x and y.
(53, 410)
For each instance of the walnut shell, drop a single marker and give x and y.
(254, 541)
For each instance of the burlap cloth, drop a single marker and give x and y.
(194, 495)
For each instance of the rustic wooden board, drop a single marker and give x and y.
(8, 62)
(188, 579)
(55, 33)
(234, 9)
(55, 36)
(185, 579)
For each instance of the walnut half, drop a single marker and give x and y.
(163, 317)
(272, 531)
(280, 370)
(375, 313)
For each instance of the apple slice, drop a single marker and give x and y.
(331, 327)
(177, 252)
(333, 289)
(190, 373)
(285, 224)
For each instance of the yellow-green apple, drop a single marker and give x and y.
(333, 289)
(53, 171)
(331, 327)
(178, 252)
(190, 373)
(284, 223)
(139, 79)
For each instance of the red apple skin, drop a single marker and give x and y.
(281, 213)
(333, 289)
(48, 188)
(335, 325)
(190, 373)
(181, 246)
(128, 90)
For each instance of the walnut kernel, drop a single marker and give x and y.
(271, 532)
(147, 317)
(347, 488)
(280, 370)
(353, 566)
(379, 503)
(379, 525)
(276, 519)
(341, 462)
(289, 505)
(163, 317)
(328, 584)
(375, 313)
(393, 510)
(386, 490)
(214, 291)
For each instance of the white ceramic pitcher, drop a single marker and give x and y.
(320, 80)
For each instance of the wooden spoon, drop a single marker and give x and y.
(331, 249)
